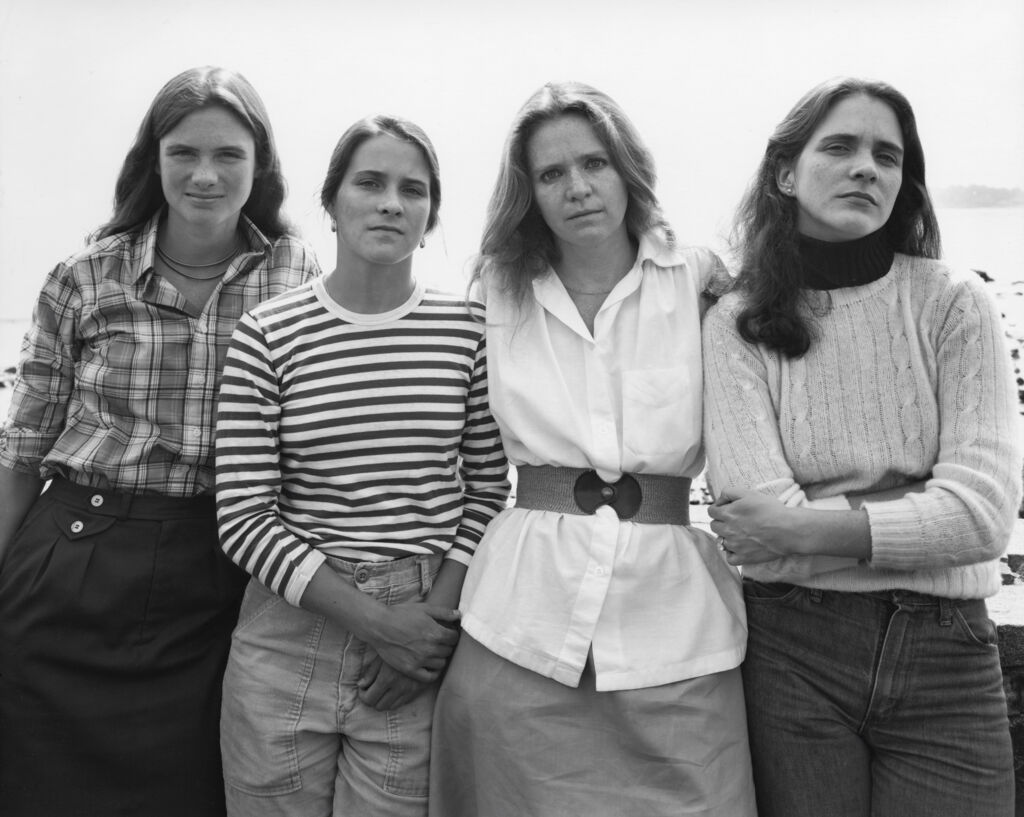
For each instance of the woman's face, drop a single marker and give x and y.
(207, 165)
(849, 173)
(383, 202)
(579, 193)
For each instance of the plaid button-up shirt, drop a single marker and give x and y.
(118, 378)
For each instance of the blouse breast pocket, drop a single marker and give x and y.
(661, 412)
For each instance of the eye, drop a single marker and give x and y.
(367, 184)
(836, 149)
(596, 163)
(889, 159)
(414, 190)
(550, 175)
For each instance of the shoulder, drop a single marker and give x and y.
(721, 317)
(449, 306)
(938, 282)
(291, 252)
(300, 297)
(117, 258)
(702, 264)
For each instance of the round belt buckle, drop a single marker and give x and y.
(623, 496)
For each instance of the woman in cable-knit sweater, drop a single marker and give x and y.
(862, 442)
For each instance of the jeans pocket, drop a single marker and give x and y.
(255, 603)
(755, 592)
(975, 626)
(265, 694)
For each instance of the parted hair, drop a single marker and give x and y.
(138, 194)
(517, 245)
(765, 231)
(382, 124)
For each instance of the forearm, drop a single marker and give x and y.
(17, 493)
(447, 588)
(829, 533)
(329, 595)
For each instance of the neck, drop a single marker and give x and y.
(596, 269)
(370, 290)
(196, 244)
(833, 265)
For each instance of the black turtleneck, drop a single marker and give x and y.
(837, 264)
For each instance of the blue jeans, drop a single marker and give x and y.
(886, 704)
(295, 738)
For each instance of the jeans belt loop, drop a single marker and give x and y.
(426, 582)
(945, 612)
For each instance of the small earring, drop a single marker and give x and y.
(334, 226)
(423, 243)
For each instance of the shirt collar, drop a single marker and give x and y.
(143, 260)
(654, 246)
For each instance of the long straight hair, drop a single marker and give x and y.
(766, 234)
(138, 194)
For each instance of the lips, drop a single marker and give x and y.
(385, 229)
(857, 194)
(583, 214)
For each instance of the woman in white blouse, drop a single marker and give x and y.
(598, 669)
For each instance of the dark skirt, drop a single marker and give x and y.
(116, 615)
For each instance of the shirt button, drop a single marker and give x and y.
(599, 571)
(194, 432)
(77, 526)
(362, 576)
(96, 500)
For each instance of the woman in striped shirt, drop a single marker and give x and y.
(116, 604)
(357, 466)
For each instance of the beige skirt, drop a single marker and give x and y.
(508, 742)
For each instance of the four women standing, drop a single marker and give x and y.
(858, 414)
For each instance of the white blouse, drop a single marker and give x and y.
(655, 603)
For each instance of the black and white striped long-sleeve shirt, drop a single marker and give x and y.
(366, 437)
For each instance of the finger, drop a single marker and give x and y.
(372, 694)
(425, 675)
(370, 672)
(443, 615)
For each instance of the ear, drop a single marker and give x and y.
(784, 179)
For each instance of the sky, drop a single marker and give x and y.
(705, 82)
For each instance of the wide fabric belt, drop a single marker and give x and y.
(648, 499)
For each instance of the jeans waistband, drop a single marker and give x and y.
(122, 505)
(374, 575)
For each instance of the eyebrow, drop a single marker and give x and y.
(231, 146)
(850, 138)
(594, 154)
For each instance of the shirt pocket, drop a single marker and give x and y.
(661, 411)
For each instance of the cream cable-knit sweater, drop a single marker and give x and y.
(907, 379)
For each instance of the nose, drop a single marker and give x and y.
(864, 167)
(205, 174)
(390, 204)
(578, 186)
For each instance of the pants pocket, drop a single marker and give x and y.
(265, 686)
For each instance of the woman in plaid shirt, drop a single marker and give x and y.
(116, 604)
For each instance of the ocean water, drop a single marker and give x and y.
(989, 239)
